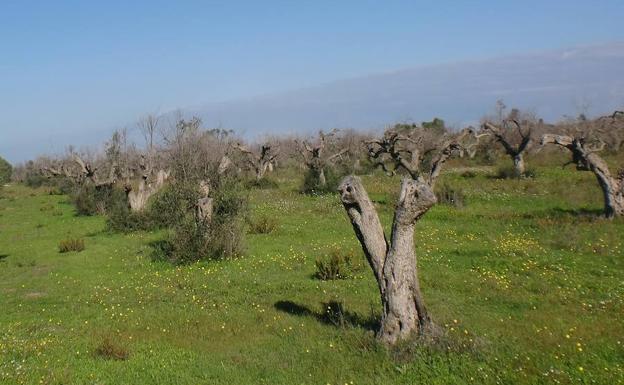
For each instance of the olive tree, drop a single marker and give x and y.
(318, 156)
(393, 261)
(259, 162)
(584, 139)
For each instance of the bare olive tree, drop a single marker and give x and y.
(515, 139)
(315, 157)
(260, 162)
(393, 261)
(88, 173)
(52, 168)
(584, 139)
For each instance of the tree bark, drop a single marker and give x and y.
(612, 188)
(519, 167)
(204, 208)
(322, 179)
(137, 199)
(394, 265)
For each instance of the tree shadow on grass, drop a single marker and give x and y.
(334, 315)
(3, 256)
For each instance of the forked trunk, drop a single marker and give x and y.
(394, 265)
(519, 167)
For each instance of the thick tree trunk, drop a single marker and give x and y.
(614, 200)
(261, 170)
(322, 180)
(224, 164)
(394, 265)
(612, 188)
(204, 207)
(137, 199)
(519, 167)
(204, 210)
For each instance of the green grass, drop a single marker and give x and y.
(527, 283)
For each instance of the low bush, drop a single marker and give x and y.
(263, 184)
(263, 224)
(109, 349)
(91, 200)
(337, 264)
(168, 207)
(34, 179)
(71, 244)
(6, 170)
(468, 174)
(190, 240)
(120, 218)
(453, 196)
(509, 172)
(312, 185)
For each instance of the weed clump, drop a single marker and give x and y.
(262, 184)
(91, 200)
(508, 172)
(71, 244)
(108, 349)
(312, 180)
(451, 196)
(337, 264)
(264, 224)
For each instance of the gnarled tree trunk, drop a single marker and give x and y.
(393, 264)
(519, 167)
(612, 187)
(138, 198)
(204, 210)
(585, 159)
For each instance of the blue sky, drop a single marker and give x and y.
(78, 67)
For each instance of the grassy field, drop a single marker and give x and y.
(527, 283)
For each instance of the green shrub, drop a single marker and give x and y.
(71, 244)
(120, 218)
(91, 200)
(453, 196)
(337, 264)
(468, 174)
(509, 172)
(6, 170)
(190, 241)
(110, 349)
(264, 224)
(263, 184)
(34, 179)
(168, 207)
(311, 181)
